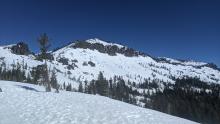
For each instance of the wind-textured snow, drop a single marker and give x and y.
(28, 104)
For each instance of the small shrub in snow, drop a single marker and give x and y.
(85, 64)
(91, 63)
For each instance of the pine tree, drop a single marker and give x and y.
(29, 78)
(92, 87)
(69, 87)
(53, 80)
(64, 86)
(44, 45)
(86, 89)
(80, 89)
(46, 79)
(102, 85)
(36, 74)
(110, 91)
(57, 89)
(0, 72)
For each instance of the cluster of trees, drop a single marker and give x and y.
(39, 75)
(17, 73)
(41, 72)
(115, 88)
(189, 98)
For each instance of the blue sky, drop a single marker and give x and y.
(183, 29)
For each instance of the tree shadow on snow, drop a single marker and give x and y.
(28, 88)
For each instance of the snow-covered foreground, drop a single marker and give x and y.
(28, 104)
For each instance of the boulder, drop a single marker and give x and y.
(21, 49)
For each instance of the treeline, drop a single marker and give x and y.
(39, 75)
(115, 88)
(17, 73)
(189, 98)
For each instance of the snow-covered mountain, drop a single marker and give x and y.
(134, 66)
(83, 60)
(29, 104)
(187, 89)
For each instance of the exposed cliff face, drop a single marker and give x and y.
(20, 48)
(103, 47)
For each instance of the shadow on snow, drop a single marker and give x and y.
(28, 88)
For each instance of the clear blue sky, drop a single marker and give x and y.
(184, 29)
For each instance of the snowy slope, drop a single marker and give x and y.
(28, 104)
(96, 40)
(7, 58)
(135, 69)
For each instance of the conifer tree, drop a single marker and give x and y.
(102, 85)
(46, 80)
(44, 46)
(53, 80)
(29, 78)
(80, 89)
(57, 89)
(64, 86)
(69, 87)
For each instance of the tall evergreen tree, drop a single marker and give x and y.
(64, 86)
(80, 89)
(102, 85)
(29, 78)
(69, 87)
(46, 80)
(44, 46)
(53, 79)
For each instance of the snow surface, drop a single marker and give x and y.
(134, 69)
(96, 40)
(189, 63)
(28, 104)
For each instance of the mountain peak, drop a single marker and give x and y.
(7, 46)
(105, 43)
